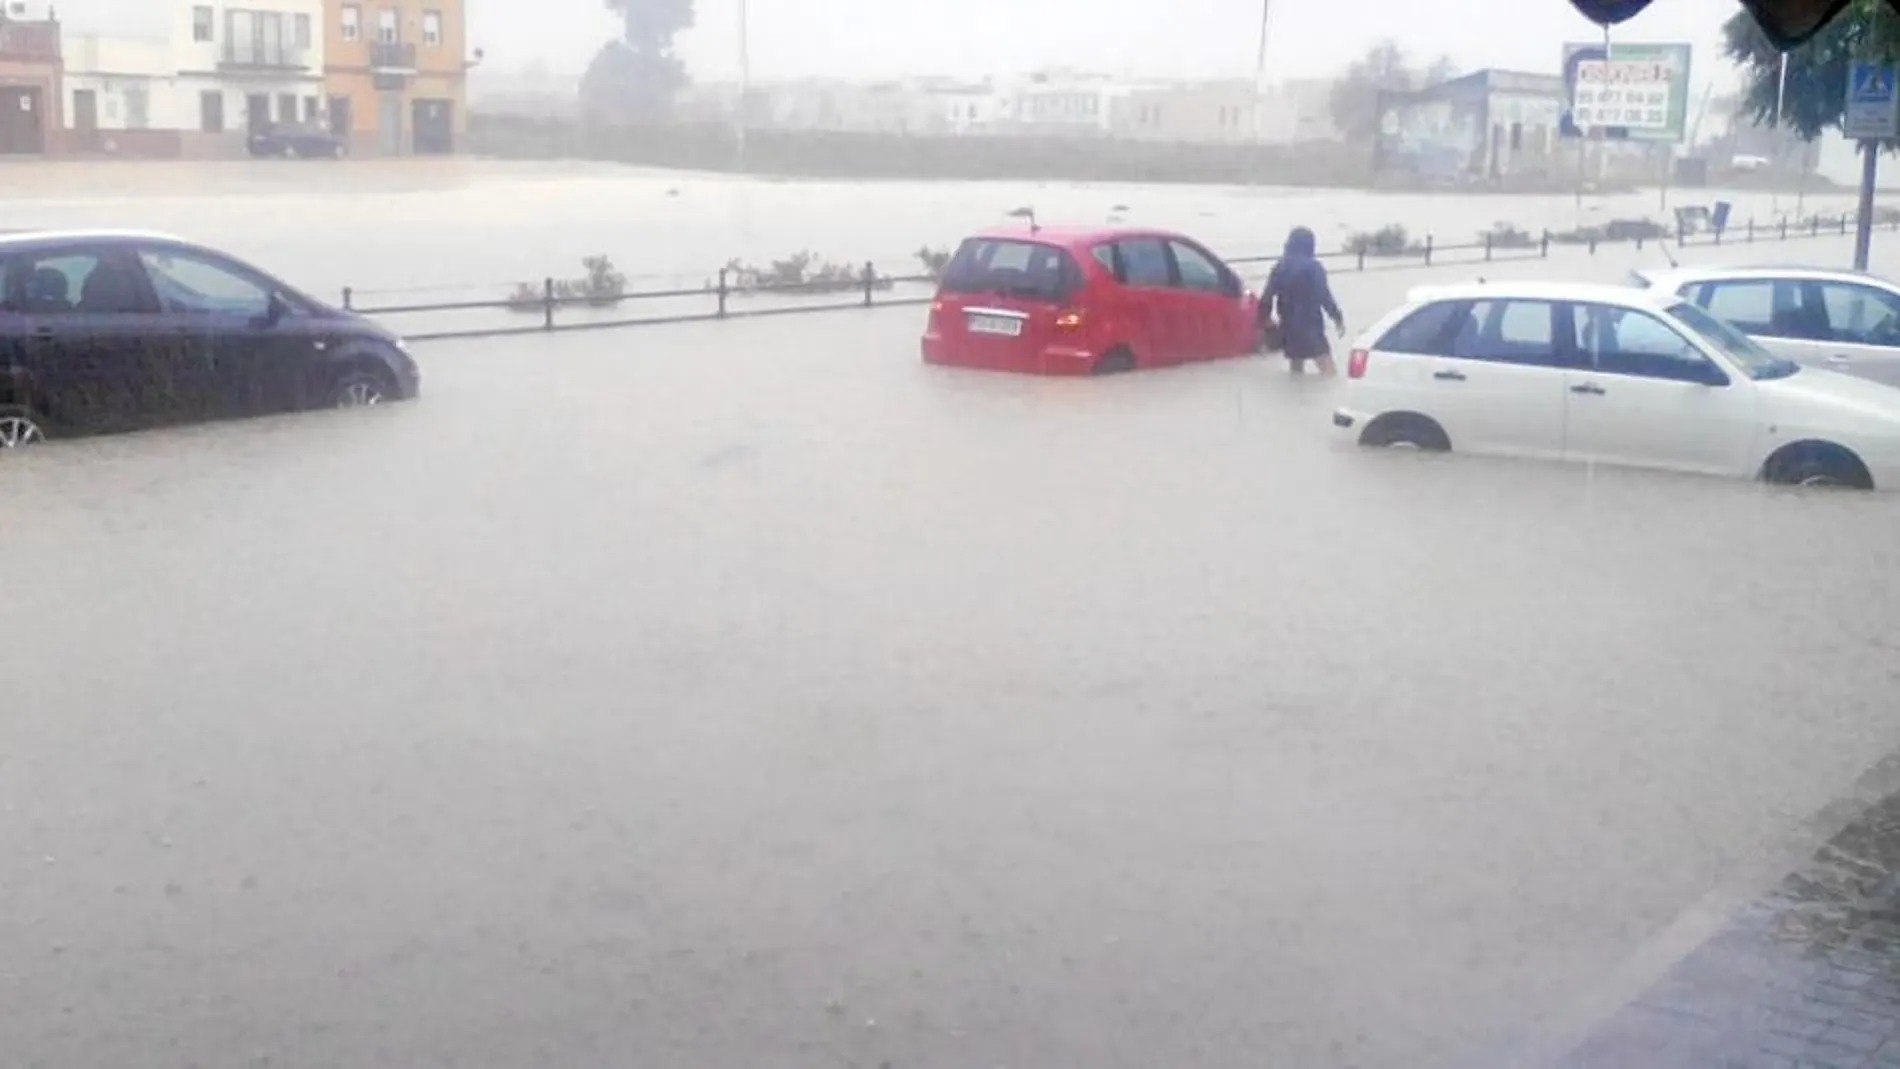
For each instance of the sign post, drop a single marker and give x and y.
(1871, 114)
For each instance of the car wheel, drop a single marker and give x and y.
(1819, 465)
(360, 388)
(337, 152)
(19, 427)
(1116, 361)
(1406, 430)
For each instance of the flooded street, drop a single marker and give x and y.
(749, 694)
(415, 230)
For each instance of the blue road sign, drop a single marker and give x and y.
(1873, 105)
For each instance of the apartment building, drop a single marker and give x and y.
(397, 74)
(31, 76)
(189, 77)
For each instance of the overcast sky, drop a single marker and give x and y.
(1168, 37)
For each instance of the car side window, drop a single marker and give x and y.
(1427, 331)
(1509, 332)
(1861, 315)
(1764, 306)
(1628, 341)
(1198, 272)
(76, 282)
(1145, 262)
(191, 284)
(1105, 255)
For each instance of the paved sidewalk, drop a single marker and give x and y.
(1807, 977)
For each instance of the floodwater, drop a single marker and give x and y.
(748, 694)
(460, 228)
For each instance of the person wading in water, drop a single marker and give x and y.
(1300, 299)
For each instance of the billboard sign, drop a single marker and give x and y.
(1635, 92)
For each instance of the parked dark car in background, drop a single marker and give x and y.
(298, 141)
(107, 331)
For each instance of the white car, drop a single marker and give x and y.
(1613, 374)
(1839, 320)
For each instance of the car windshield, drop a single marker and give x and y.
(1757, 362)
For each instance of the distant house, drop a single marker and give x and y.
(31, 76)
(190, 78)
(1212, 112)
(1483, 126)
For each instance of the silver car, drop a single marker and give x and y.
(1840, 320)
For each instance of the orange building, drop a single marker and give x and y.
(396, 72)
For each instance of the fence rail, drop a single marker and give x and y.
(722, 298)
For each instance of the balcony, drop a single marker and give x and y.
(255, 56)
(392, 57)
(29, 42)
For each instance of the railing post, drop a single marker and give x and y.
(870, 280)
(1487, 246)
(1428, 250)
(1593, 245)
(1682, 231)
(1718, 235)
(722, 292)
(1543, 246)
(1843, 222)
(349, 296)
(1751, 230)
(1814, 225)
(1639, 243)
(547, 303)
(1362, 258)
(1784, 228)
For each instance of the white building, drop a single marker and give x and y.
(195, 81)
(1060, 102)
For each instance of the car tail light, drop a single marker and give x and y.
(1356, 364)
(1069, 319)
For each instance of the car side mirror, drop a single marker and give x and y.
(276, 311)
(1710, 375)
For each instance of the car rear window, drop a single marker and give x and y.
(1028, 270)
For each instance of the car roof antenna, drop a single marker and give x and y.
(1663, 244)
(1029, 214)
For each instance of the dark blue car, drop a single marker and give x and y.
(103, 332)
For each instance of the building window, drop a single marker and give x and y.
(310, 106)
(388, 29)
(300, 31)
(432, 27)
(211, 111)
(352, 22)
(138, 109)
(201, 23)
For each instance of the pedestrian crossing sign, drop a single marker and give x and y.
(1872, 109)
(1872, 84)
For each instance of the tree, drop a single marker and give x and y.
(638, 76)
(1817, 70)
(1383, 69)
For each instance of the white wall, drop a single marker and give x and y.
(205, 56)
(171, 71)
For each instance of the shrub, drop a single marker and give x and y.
(1388, 240)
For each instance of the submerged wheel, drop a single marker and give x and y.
(1818, 464)
(19, 428)
(360, 388)
(1406, 430)
(1116, 361)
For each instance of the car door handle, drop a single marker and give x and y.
(1840, 358)
(1587, 387)
(1449, 376)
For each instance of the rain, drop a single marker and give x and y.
(749, 693)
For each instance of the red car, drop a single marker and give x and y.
(1086, 300)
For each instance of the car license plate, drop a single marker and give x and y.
(1007, 326)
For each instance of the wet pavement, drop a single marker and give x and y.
(1805, 977)
(749, 694)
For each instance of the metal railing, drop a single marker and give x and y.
(392, 56)
(546, 308)
(258, 55)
